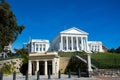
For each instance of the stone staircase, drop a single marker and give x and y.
(85, 61)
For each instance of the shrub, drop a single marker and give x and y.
(6, 69)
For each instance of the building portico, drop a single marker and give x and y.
(43, 63)
(73, 43)
(71, 40)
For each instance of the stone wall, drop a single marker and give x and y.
(15, 63)
(63, 63)
(107, 72)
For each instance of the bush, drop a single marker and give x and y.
(6, 69)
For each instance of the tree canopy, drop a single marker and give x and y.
(23, 53)
(117, 50)
(9, 29)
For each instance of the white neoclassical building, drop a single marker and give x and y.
(38, 45)
(43, 62)
(70, 40)
(40, 59)
(74, 39)
(95, 46)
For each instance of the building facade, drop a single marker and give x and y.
(43, 55)
(43, 62)
(95, 46)
(38, 45)
(74, 39)
(69, 40)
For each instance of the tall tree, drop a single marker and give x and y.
(9, 29)
(112, 50)
(118, 50)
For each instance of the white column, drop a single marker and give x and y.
(37, 66)
(85, 40)
(66, 43)
(57, 65)
(30, 67)
(89, 63)
(41, 47)
(38, 47)
(53, 66)
(61, 46)
(72, 43)
(84, 46)
(46, 67)
(82, 43)
(77, 44)
(35, 48)
(31, 50)
(101, 50)
(87, 44)
(45, 47)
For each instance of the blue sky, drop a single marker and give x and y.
(44, 19)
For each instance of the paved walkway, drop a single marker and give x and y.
(63, 77)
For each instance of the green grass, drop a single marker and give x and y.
(106, 60)
(100, 60)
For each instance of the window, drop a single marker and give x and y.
(36, 47)
(44, 47)
(40, 47)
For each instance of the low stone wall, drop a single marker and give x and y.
(63, 63)
(107, 72)
(16, 63)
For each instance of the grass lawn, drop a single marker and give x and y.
(106, 60)
(100, 60)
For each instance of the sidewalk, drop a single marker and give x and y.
(42, 77)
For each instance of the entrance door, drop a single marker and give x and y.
(33, 67)
(42, 67)
(49, 66)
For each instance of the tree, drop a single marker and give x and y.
(23, 53)
(112, 50)
(118, 50)
(9, 29)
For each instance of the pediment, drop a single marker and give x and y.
(74, 31)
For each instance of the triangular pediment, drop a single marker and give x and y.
(74, 30)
